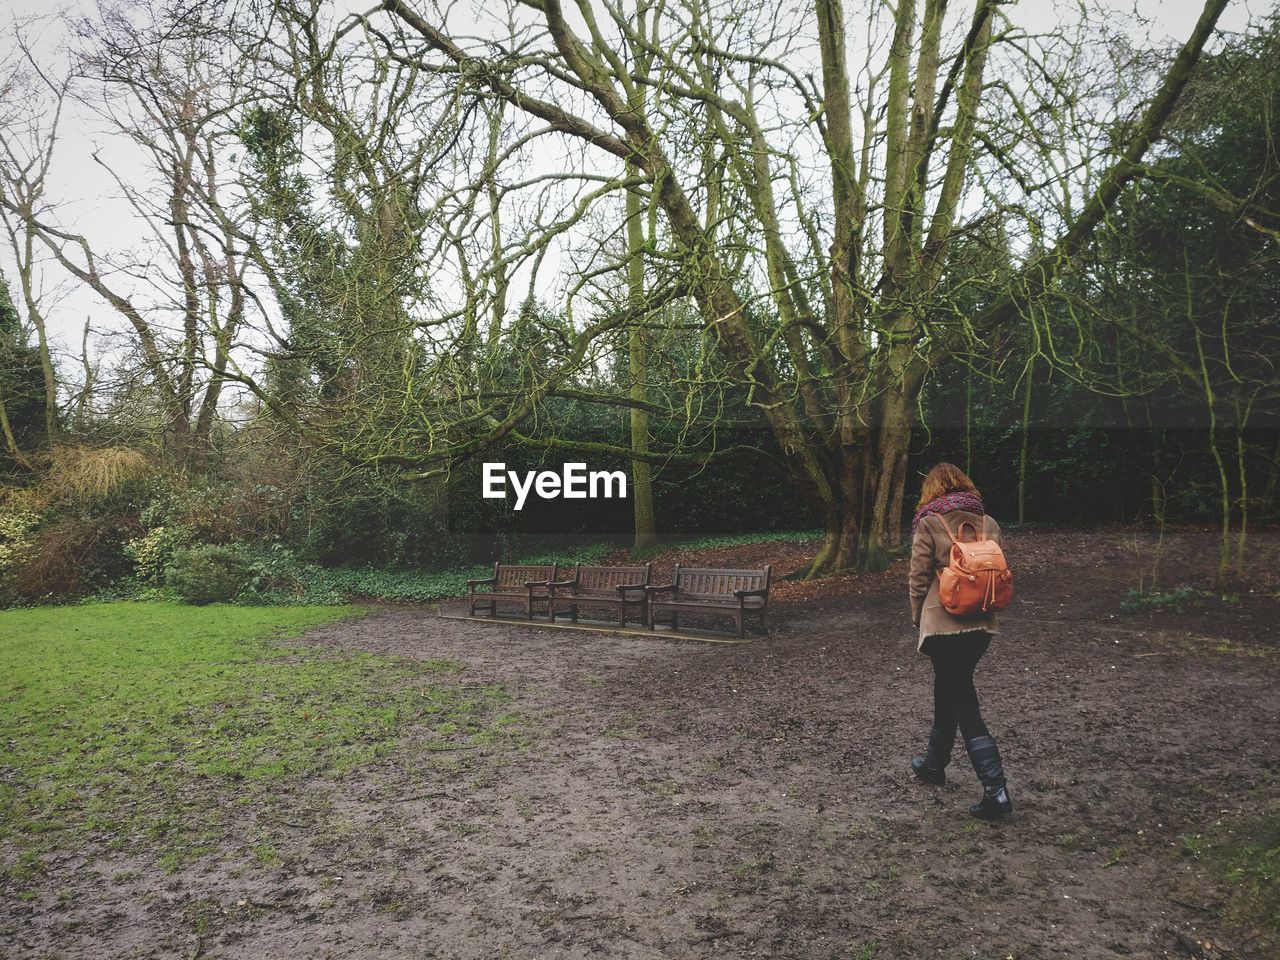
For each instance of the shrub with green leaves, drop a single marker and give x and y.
(153, 552)
(207, 574)
(278, 576)
(15, 537)
(17, 540)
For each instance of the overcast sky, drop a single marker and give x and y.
(91, 204)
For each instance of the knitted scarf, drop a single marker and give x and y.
(961, 500)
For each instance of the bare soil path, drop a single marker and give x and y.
(686, 800)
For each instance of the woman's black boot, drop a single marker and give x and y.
(995, 802)
(931, 768)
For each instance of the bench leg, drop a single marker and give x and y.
(573, 613)
(675, 620)
(739, 619)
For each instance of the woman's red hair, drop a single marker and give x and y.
(944, 478)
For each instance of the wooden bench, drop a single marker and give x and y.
(732, 593)
(524, 585)
(602, 586)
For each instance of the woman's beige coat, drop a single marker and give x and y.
(930, 552)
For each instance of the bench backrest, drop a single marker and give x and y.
(709, 583)
(513, 577)
(606, 580)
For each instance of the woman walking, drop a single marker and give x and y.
(955, 644)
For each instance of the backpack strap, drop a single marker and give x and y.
(967, 523)
(947, 527)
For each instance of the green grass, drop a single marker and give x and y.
(1179, 600)
(1251, 868)
(144, 724)
(1246, 860)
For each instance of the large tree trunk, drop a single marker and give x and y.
(638, 215)
(886, 480)
(887, 470)
(637, 363)
(862, 518)
(840, 539)
(862, 513)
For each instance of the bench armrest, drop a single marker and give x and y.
(474, 583)
(537, 583)
(562, 583)
(760, 592)
(659, 587)
(624, 587)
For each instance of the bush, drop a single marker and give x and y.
(16, 543)
(71, 556)
(278, 577)
(87, 475)
(153, 552)
(207, 574)
(399, 525)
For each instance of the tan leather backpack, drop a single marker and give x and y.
(978, 579)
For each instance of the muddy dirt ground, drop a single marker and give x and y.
(687, 800)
